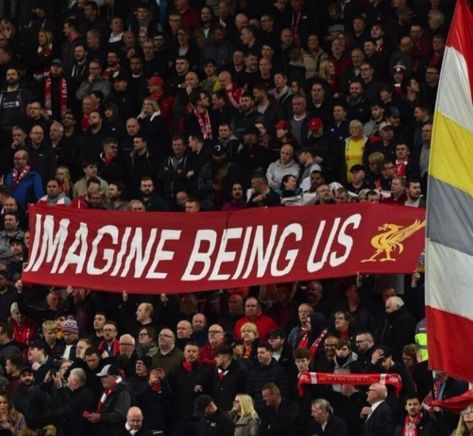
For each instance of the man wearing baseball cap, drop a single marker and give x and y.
(214, 421)
(111, 411)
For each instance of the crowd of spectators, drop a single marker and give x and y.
(194, 105)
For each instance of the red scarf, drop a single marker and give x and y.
(105, 395)
(401, 167)
(247, 349)
(204, 123)
(234, 95)
(304, 342)
(62, 95)
(43, 52)
(434, 394)
(411, 425)
(327, 378)
(115, 348)
(19, 176)
(187, 366)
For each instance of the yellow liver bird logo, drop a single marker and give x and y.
(390, 240)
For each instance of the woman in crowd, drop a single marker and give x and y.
(465, 423)
(10, 420)
(244, 416)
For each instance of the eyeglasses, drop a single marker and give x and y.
(125, 344)
(162, 335)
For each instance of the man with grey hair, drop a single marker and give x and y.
(400, 326)
(76, 399)
(325, 422)
(378, 415)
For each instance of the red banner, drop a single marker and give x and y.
(177, 252)
(328, 378)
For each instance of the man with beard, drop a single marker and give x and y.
(77, 72)
(358, 106)
(124, 96)
(414, 194)
(55, 91)
(237, 198)
(324, 195)
(22, 397)
(114, 197)
(152, 201)
(416, 421)
(201, 119)
(13, 99)
(89, 144)
(247, 115)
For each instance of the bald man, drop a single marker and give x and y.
(134, 424)
(379, 416)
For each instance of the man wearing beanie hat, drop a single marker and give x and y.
(139, 377)
(70, 333)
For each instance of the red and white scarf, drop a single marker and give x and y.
(304, 342)
(105, 395)
(204, 123)
(328, 378)
(19, 176)
(221, 373)
(62, 95)
(411, 425)
(434, 394)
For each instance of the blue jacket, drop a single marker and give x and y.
(30, 190)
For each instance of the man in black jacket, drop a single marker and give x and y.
(228, 378)
(325, 422)
(378, 415)
(214, 421)
(110, 413)
(279, 416)
(187, 381)
(134, 424)
(76, 398)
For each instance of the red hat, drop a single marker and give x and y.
(282, 125)
(315, 124)
(156, 81)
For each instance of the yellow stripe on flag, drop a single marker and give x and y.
(451, 154)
